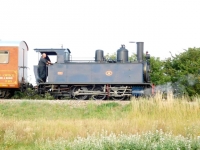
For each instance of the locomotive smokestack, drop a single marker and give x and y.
(140, 49)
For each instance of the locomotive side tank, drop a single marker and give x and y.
(97, 79)
(13, 66)
(100, 73)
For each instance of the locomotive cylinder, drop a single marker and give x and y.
(122, 55)
(99, 56)
(140, 49)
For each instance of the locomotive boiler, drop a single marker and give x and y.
(98, 79)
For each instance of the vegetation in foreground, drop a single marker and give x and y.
(141, 124)
(104, 141)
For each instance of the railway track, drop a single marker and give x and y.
(73, 103)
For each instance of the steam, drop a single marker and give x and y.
(178, 88)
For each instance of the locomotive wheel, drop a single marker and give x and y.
(78, 89)
(118, 91)
(98, 97)
(118, 98)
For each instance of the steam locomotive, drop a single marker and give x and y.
(96, 79)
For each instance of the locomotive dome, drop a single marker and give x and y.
(122, 54)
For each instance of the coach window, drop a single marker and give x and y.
(4, 57)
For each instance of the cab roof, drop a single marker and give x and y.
(51, 51)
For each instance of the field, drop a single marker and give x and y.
(137, 124)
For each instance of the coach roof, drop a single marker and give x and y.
(13, 43)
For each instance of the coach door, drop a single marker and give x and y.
(23, 65)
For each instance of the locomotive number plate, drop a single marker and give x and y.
(109, 73)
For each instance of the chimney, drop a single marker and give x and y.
(140, 49)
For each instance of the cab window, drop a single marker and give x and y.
(4, 57)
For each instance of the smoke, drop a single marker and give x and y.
(175, 88)
(164, 88)
(178, 88)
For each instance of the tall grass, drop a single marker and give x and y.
(37, 124)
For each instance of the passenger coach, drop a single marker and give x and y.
(13, 67)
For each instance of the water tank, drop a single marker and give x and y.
(99, 55)
(122, 55)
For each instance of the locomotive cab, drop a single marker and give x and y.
(60, 56)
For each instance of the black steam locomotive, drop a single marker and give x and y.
(98, 79)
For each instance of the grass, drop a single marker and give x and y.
(43, 125)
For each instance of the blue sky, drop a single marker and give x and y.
(86, 25)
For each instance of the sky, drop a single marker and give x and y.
(84, 26)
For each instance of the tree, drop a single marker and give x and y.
(111, 56)
(158, 75)
(184, 70)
